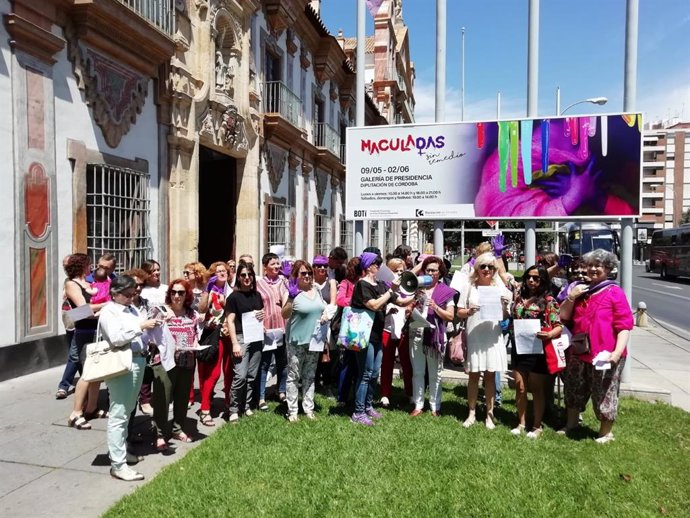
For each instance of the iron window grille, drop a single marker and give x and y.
(322, 235)
(278, 226)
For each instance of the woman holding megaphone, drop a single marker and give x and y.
(428, 334)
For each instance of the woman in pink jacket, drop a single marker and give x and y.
(602, 311)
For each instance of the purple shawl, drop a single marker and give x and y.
(435, 339)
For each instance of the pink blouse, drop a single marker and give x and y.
(602, 315)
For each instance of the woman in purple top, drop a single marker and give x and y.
(601, 310)
(428, 345)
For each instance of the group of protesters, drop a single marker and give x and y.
(288, 321)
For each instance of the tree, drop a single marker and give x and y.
(685, 218)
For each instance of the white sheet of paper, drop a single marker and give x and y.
(279, 250)
(490, 306)
(80, 313)
(318, 337)
(194, 348)
(459, 281)
(385, 274)
(272, 339)
(526, 341)
(252, 329)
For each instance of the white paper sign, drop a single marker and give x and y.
(526, 341)
(385, 274)
(80, 313)
(193, 348)
(252, 329)
(490, 306)
(273, 338)
(459, 281)
(318, 337)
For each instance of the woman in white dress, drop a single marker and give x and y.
(486, 350)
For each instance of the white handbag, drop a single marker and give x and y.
(104, 362)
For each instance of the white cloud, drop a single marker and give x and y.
(478, 110)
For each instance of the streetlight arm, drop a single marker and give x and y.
(594, 100)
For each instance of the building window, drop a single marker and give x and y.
(374, 234)
(278, 226)
(346, 235)
(118, 209)
(388, 237)
(322, 235)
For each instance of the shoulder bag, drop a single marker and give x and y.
(355, 328)
(103, 361)
(458, 338)
(555, 356)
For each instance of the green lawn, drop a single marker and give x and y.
(426, 466)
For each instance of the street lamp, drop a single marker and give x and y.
(593, 100)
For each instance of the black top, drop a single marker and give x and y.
(88, 324)
(243, 302)
(365, 291)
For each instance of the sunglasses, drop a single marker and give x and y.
(180, 293)
(305, 274)
(533, 277)
(244, 275)
(580, 273)
(186, 272)
(321, 266)
(487, 267)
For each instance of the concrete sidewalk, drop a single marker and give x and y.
(49, 469)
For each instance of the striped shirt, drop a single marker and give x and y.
(272, 295)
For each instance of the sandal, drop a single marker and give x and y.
(605, 438)
(535, 433)
(206, 419)
(161, 444)
(182, 437)
(61, 394)
(79, 423)
(96, 414)
(263, 406)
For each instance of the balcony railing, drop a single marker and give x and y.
(160, 13)
(342, 153)
(278, 98)
(326, 136)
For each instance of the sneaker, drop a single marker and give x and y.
(605, 438)
(362, 419)
(126, 473)
(385, 402)
(263, 406)
(311, 416)
(234, 417)
(249, 412)
(373, 414)
(534, 434)
(146, 408)
(518, 430)
(293, 418)
(61, 394)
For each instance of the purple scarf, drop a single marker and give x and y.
(435, 339)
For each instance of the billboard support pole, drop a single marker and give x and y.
(440, 107)
(359, 99)
(532, 98)
(629, 101)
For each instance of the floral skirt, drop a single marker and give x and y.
(581, 380)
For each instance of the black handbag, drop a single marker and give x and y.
(210, 337)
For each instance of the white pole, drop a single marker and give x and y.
(440, 98)
(532, 110)
(629, 103)
(498, 105)
(361, 42)
(558, 100)
(462, 87)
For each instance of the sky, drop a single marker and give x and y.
(581, 49)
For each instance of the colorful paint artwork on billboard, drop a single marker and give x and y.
(559, 168)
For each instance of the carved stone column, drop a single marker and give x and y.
(306, 210)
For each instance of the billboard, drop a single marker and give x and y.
(559, 168)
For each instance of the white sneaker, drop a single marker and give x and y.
(249, 412)
(385, 402)
(518, 429)
(126, 473)
(605, 438)
(311, 416)
(534, 434)
(233, 418)
(293, 418)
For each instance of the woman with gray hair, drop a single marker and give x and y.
(486, 349)
(121, 325)
(599, 316)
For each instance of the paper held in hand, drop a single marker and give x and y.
(318, 337)
(526, 341)
(252, 329)
(490, 305)
(273, 338)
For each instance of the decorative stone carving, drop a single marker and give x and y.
(226, 32)
(223, 126)
(293, 161)
(275, 159)
(321, 180)
(115, 94)
(290, 42)
(333, 91)
(304, 61)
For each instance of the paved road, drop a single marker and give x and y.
(667, 300)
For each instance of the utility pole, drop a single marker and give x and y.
(440, 108)
(532, 111)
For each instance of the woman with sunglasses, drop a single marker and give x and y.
(428, 345)
(329, 290)
(122, 325)
(602, 312)
(486, 349)
(246, 355)
(195, 274)
(303, 308)
(212, 303)
(172, 386)
(529, 370)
